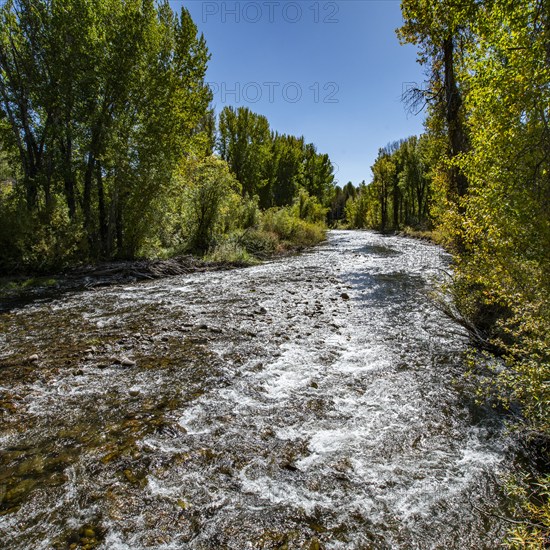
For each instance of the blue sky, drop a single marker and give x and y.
(331, 71)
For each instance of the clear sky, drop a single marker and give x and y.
(330, 71)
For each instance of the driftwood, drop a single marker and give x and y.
(115, 272)
(111, 273)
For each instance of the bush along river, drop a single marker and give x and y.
(310, 402)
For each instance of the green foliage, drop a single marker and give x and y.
(275, 230)
(243, 214)
(245, 143)
(505, 229)
(308, 208)
(359, 209)
(261, 243)
(532, 498)
(101, 103)
(269, 165)
(232, 251)
(338, 202)
(290, 229)
(101, 99)
(208, 188)
(489, 151)
(41, 242)
(400, 192)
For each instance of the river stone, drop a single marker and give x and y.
(344, 296)
(126, 362)
(33, 358)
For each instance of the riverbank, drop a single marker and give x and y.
(20, 289)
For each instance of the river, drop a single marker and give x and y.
(314, 401)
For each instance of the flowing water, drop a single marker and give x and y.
(311, 402)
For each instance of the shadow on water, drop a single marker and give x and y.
(38, 295)
(382, 288)
(378, 250)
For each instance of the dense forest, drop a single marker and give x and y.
(110, 148)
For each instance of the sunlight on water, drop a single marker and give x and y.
(307, 401)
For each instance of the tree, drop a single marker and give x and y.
(440, 28)
(490, 97)
(245, 143)
(318, 177)
(207, 184)
(103, 100)
(384, 173)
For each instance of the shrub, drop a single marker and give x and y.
(40, 241)
(208, 187)
(291, 229)
(260, 243)
(231, 251)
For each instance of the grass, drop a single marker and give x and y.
(432, 235)
(14, 285)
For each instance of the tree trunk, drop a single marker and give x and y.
(395, 204)
(101, 211)
(384, 210)
(87, 199)
(118, 226)
(68, 176)
(455, 129)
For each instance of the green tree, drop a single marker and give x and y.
(244, 141)
(318, 178)
(207, 187)
(384, 173)
(103, 100)
(287, 168)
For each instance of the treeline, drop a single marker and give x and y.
(109, 143)
(400, 192)
(269, 165)
(481, 176)
(99, 100)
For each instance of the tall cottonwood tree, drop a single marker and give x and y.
(103, 99)
(440, 29)
(244, 142)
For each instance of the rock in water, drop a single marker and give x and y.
(126, 362)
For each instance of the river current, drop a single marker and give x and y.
(315, 401)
